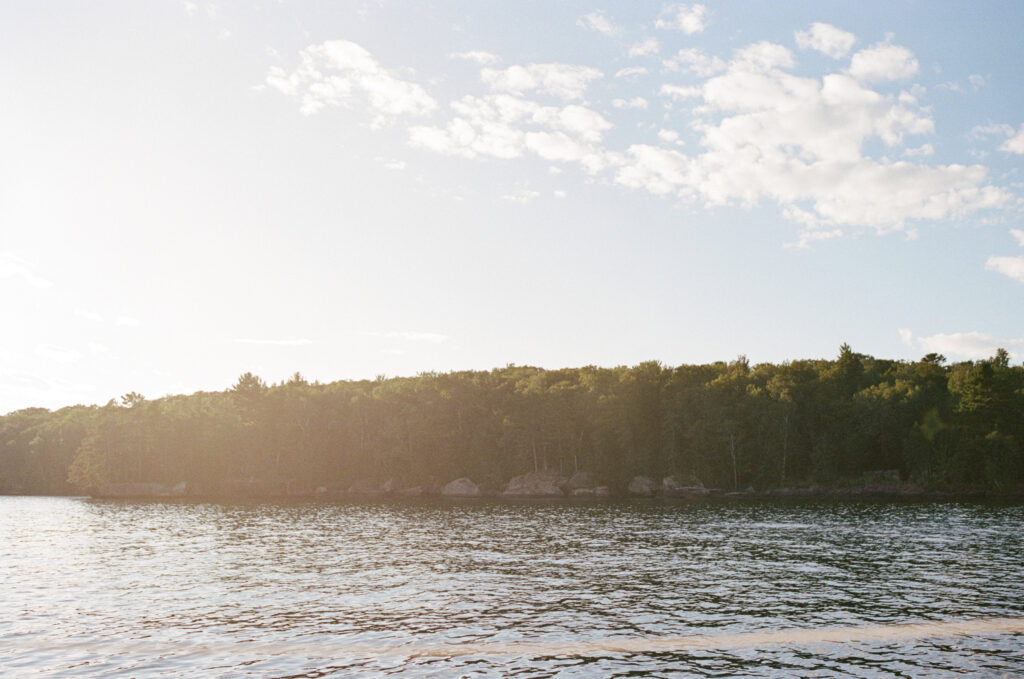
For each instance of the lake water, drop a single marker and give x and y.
(465, 589)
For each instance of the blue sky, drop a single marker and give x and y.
(191, 190)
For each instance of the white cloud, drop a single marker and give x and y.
(969, 345)
(89, 315)
(126, 321)
(560, 194)
(58, 354)
(191, 8)
(689, 19)
(521, 196)
(906, 337)
(635, 102)
(597, 21)
(762, 56)
(982, 131)
(767, 134)
(977, 81)
(392, 163)
(644, 48)
(922, 151)
(97, 348)
(883, 62)
(504, 126)
(1015, 144)
(276, 342)
(679, 92)
(337, 72)
(696, 61)
(12, 266)
(411, 336)
(565, 81)
(764, 135)
(483, 58)
(1008, 266)
(656, 170)
(669, 137)
(556, 146)
(630, 71)
(1012, 267)
(827, 39)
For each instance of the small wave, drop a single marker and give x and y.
(626, 645)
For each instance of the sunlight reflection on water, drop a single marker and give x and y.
(438, 588)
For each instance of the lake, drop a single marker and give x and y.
(438, 588)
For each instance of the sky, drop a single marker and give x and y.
(193, 190)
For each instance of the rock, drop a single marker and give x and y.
(534, 484)
(911, 489)
(673, 486)
(599, 491)
(141, 489)
(365, 488)
(642, 486)
(461, 488)
(415, 491)
(581, 480)
(675, 482)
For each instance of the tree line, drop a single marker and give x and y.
(729, 424)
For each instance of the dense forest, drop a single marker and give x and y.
(729, 425)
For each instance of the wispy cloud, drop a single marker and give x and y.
(521, 196)
(12, 266)
(597, 21)
(57, 353)
(968, 345)
(1012, 267)
(635, 102)
(645, 47)
(89, 315)
(826, 39)
(392, 163)
(631, 71)
(883, 62)
(689, 19)
(335, 72)
(1015, 144)
(565, 81)
(762, 132)
(410, 336)
(480, 57)
(126, 321)
(275, 342)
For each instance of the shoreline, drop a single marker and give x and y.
(774, 495)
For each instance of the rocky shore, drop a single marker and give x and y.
(533, 485)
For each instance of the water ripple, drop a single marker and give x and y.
(436, 589)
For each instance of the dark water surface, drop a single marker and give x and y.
(464, 589)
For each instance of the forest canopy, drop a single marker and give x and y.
(729, 424)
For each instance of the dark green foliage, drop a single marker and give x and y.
(731, 425)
